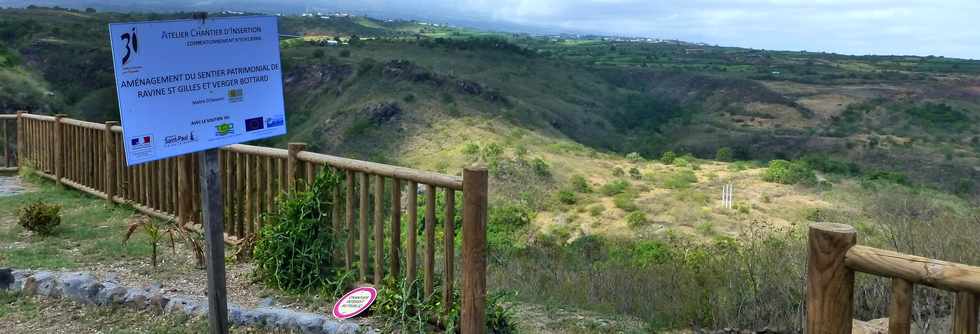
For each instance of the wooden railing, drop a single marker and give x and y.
(8, 161)
(834, 257)
(89, 157)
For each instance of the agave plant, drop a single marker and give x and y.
(156, 231)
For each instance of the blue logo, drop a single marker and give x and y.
(253, 124)
(271, 122)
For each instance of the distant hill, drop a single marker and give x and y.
(407, 91)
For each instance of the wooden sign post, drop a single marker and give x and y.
(211, 206)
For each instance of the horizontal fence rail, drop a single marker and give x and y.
(833, 259)
(368, 211)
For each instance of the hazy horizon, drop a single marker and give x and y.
(856, 27)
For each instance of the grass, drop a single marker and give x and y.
(89, 232)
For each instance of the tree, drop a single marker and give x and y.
(724, 154)
(90, 10)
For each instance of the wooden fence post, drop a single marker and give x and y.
(110, 163)
(292, 164)
(830, 284)
(213, 221)
(900, 307)
(965, 313)
(475, 251)
(58, 149)
(19, 151)
(6, 144)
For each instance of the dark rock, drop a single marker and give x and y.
(469, 87)
(6, 278)
(383, 112)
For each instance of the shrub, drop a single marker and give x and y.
(566, 197)
(404, 306)
(409, 98)
(39, 217)
(580, 184)
(618, 172)
(635, 173)
(597, 210)
(893, 177)
(636, 219)
(668, 157)
(789, 172)
(540, 167)
(614, 187)
(724, 154)
(471, 149)
(634, 157)
(294, 250)
(680, 180)
(742, 208)
(492, 151)
(826, 164)
(625, 201)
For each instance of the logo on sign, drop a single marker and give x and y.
(354, 302)
(224, 129)
(236, 95)
(141, 146)
(271, 122)
(132, 46)
(253, 124)
(174, 140)
(141, 141)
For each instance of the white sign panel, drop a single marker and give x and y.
(190, 85)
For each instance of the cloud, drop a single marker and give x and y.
(851, 26)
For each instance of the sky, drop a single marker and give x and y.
(884, 27)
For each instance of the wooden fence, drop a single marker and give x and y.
(89, 157)
(7, 138)
(834, 257)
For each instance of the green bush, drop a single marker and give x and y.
(626, 202)
(614, 187)
(295, 249)
(724, 154)
(634, 157)
(826, 164)
(540, 167)
(580, 184)
(680, 180)
(39, 217)
(504, 222)
(566, 197)
(618, 172)
(636, 219)
(403, 306)
(893, 177)
(596, 210)
(789, 172)
(668, 157)
(492, 151)
(471, 149)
